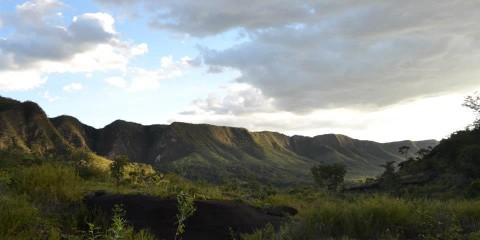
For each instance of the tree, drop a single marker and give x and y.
(329, 176)
(117, 167)
(389, 179)
(473, 102)
(423, 152)
(404, 151)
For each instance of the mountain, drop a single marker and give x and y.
(27, 127)
(199, 151)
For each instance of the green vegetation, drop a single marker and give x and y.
(329, 176)
(39, 209)
(381, 217)
(186, 209)
(117, 168)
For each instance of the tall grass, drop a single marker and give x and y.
(17, 216)
(50, 182)
(382, 217)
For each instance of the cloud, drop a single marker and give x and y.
(42, 41)
(116, 81)
(240, 99)
(366, 56)
(212, 17)
(139, 49)
(50, 98)
(36, 40)
(73, 87)
(308, 55)
(20, 80)
(139, 79)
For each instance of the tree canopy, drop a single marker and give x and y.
(329, 175)
(473, 102)
(117, 167)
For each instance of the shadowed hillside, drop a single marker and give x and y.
(199, 151)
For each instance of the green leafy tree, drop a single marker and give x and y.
(117, 168)
(473, 102)
(329, 176)
(404, 151)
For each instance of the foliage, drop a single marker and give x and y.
(329, 176)
(423, 152)
(119, 228)
(117, 168)
(473, 102)
(404, 151)
(389, 180)
(186, 208)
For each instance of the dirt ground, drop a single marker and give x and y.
(212, 219)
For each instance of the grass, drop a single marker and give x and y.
(50, 182)
(380, 217)
(18, 216)
(41, 200)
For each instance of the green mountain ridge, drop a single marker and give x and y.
(199, 151)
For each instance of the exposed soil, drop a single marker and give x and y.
(212, 219)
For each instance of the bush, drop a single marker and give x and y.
(50, 182)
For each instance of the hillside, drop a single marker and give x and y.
(199, 151)
(452, 167)
(27, 127)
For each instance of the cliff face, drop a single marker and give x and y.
(200, 151)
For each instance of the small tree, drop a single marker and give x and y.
(329, 176)
(389, 179)
(186, 208)
(117, 167)
(404, 151)
(473, 102)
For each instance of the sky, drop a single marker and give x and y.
(373, 70)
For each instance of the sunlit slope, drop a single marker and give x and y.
(199, 151)
(26, 126)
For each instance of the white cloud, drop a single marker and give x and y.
(139, 79)
(240, 99)
(20, 80)
(105, 20)
(139, 49)
(144, 80)
(117, 82)
(73, 87)
(42, 42)
(50, 98)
